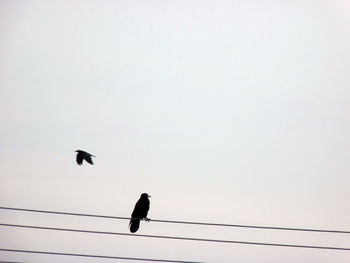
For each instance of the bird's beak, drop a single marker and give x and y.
(149, 196)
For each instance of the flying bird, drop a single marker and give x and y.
(81, 155)
(139, 213)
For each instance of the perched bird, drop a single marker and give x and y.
(81, 155)
(139, 213)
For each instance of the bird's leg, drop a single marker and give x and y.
(147, 219)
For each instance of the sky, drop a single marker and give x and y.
(223, 111)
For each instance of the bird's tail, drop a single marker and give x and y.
(134, 225)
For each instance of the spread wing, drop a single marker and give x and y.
(88, 159)
(80, 158)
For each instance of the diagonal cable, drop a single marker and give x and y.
(94, 256)
(176, 237)
(181, 222)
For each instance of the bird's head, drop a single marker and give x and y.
(144, 195)
(78, 151)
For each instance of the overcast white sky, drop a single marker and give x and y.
(224, 111)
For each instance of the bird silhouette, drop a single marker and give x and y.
(139, 213)
(81, 155)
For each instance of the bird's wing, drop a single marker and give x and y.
(79, 158)
(137, 210)
(141, 209)
(88, 159)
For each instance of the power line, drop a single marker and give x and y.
(176, 238)
(181, 222)
(95, 256)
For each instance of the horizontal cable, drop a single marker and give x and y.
(95, 256)
(172, 237)
(181, 222)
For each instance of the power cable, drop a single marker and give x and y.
(95, 256)
(177, 238)
(181, 222)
